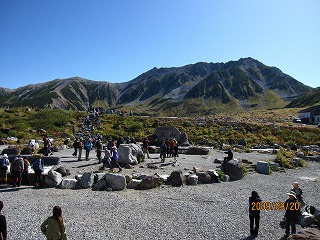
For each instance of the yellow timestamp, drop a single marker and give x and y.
(266, 206)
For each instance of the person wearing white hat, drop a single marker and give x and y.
(4, 169)
(292, 208)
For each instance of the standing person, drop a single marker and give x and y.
(146, 147)
(163, 150)
(172, 144)
(54, 227)
(25, 172)
(167, 147)
(107, 159)
(88, 147)
(38, 167)
(17, 169)
(3, 224)
(75, 147)
(254, 213)
(175, 149)
(298, 191)
(292, 208)
(4, 169)
(80, 146)
(99, 147)
(115, 159)
(46, 146)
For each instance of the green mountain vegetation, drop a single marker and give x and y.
(195, 89)
(308, 99)
(254, 126)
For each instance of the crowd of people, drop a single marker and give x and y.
(17, 172)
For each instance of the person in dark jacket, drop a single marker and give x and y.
(229, 156)
(254, 213)
(3, 224)
(292, 208)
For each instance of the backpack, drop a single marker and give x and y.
(88, 145)
(4, 163)
(18, 164)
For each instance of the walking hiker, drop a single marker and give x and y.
(99, 148)
(292, 208)
(54, 226)
(146, 147)
(254, 213)
(38, 167)
(75, 147)
(4, 169)
(17, 169)
(163, 150)
(3, 224)
(88, 146)
(115, 159)
(80, 146)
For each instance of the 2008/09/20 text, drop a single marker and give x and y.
(263, 206)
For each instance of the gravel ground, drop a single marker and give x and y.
(211, 211)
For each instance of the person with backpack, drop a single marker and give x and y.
(25, 172)
(54, 227)
(38, 167)
(3, 224)
(17, 169)
(88, 146)
(4, 168)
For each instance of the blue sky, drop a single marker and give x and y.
(117, 40)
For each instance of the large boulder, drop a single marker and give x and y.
(86, 180)
(192, 179)
(177, 178)
(68, 184)
(197, 150)
(233, 169)
(203, 177)
(134, 184)
(184, 141)
(64, 171)
(101, 185)
(53, 179)
(164, 132)
(214, 176)
(130, 154)
(263, 167)
(150, 182)
(115, 181)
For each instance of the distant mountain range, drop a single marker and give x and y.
(200, 88)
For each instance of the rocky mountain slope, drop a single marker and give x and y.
(195, 88)
(308, 99)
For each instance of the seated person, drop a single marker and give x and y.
(229, 156)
